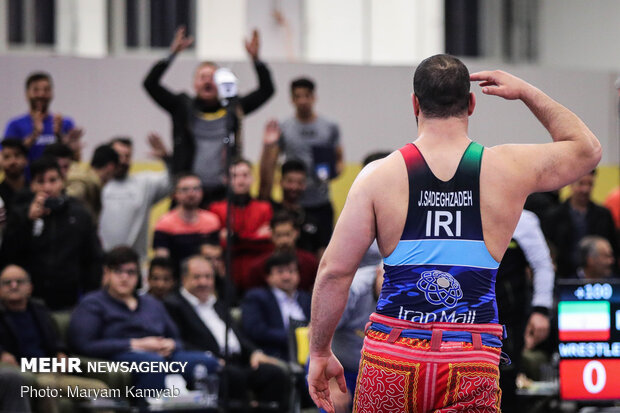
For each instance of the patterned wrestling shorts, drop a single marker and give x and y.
(401, 374)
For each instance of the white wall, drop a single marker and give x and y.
(371, 104)
(580, 34)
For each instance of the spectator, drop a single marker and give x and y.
(14, 164)
(250, 221)
(577, 217)
(86, 184)
(28, 331)
(54, 238)
(39, 127)
(267, 311)
(314, 140)
(284, 234)
(293, 184)
(199, 122)
(597, 258)
(116, 324)
(63, 155)
(201, 321)
(542, 203)
(214, 253)
(11, 383)
(612, 202)
(127, 199)
(525, 315)
(180, 232)
(161, 277)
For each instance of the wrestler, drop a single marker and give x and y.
(434, 342)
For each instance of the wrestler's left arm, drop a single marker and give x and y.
(352, 236)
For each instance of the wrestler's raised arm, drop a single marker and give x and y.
(574, 151)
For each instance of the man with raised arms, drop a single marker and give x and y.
(434, 341)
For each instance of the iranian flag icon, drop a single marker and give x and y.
(584, 321)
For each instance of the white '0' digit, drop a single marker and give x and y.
(601, 376)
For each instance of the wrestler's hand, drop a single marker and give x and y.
(500, 83)
(181, 41)
(342, 401)
(537, 330)
(323, 368)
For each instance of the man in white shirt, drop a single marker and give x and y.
(200, 319)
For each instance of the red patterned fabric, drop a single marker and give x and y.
(406, 376)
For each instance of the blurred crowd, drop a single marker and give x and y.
(75, 240)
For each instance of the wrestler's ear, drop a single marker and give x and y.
(416, 105)
(472, 103)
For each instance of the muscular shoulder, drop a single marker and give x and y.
(381, 177)
(502, 167)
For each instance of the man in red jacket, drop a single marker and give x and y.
(250, 222)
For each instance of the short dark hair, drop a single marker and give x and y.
(16, 144)
(119, 255)
(182, 175)
(125, 140)
(161, 262)
(278, 259)
(375, 156)
(294, 165)
(240, 160)
(185, 264)
(302, 82)
(36, 76)
(42, 165)
(441, 84)
(58, 150)
(103, 155)
(280, 217)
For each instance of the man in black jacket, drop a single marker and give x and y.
(200, 318)
(54, 238)
(27, 331)
(577, 217)
(199, 122)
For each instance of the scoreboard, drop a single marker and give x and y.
(589, 339)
